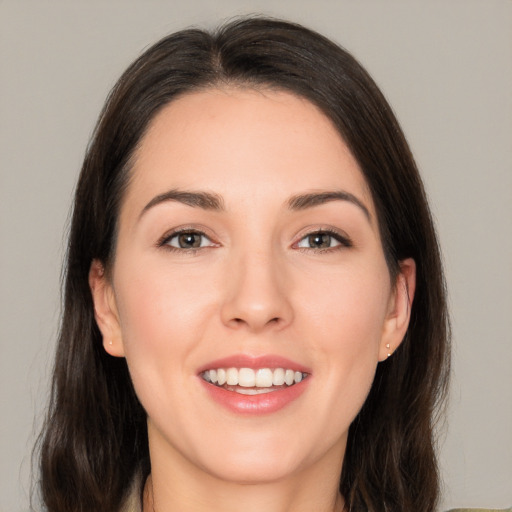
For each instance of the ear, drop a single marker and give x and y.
(399, 310)
(105, 310)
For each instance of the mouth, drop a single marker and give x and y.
(249, 381)
(248, 385)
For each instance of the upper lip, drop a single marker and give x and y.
(255, 362)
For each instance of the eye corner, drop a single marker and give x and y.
(206, 241)
(325, 237)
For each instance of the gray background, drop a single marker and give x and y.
(445, 66)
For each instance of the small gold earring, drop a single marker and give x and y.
(110, 342)
(388, 346)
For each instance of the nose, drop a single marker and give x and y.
(257, 294)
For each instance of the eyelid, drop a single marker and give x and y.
(342, 237)
(339, 235)
(163, 241)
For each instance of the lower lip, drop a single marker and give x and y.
(264, 403)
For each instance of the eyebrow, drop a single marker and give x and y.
(304, 201)
(214, 202)
(203, 200)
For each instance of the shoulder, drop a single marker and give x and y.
(132, 502)
(480, 510)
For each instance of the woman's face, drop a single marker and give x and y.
(248, 239)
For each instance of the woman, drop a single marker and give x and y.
(254, 309)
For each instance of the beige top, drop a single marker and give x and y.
(132, 504)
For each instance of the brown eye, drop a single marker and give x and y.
(189, 240)
(323, 240)
(319, 240)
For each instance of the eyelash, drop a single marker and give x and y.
(164, 242)
(344, 241)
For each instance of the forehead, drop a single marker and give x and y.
(243, 142)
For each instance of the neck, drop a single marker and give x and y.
(162, 497)
(179, 485)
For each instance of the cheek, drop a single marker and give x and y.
(350, 310)
(162, 317)
(157, 306)
(347, 325)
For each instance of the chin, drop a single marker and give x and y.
(256, 460)
(258, 470)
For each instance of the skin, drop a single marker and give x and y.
(256, 286)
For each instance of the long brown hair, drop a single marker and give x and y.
(94, 439)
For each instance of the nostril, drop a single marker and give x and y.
(240, 321)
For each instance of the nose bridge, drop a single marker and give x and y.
(256, 292)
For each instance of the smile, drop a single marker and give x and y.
(248, 381)
(251, 384)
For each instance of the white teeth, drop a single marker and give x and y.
(263, 378)
(246, 378)
(221, 376)
(278, 377)
(253, 391)
(232, 377)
